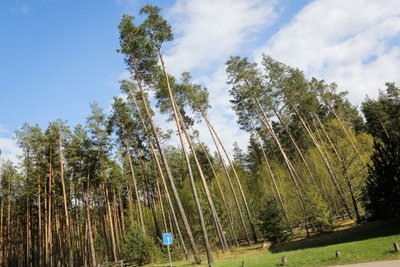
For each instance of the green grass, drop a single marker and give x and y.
(364, 243)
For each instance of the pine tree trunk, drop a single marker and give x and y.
(191, 178)
(228, 178)
(292, 172)
(217, 223)
(27, 233)
(158, 192)
(327, 165)
(275, 185)
(111, 224)
(253, 230)
(116, 221)
(8, 251)
(139, 207)
(122, 215)
(221, 192)
(168, 171)
(40, 224)
(344, 169)
(90, 234)
(49, 261)
(298, 152)
(130, 202)
(2, 243)
(346, 132)
(71, 259)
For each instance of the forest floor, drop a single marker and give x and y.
(362, 243)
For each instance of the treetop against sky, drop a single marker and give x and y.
(57, 56)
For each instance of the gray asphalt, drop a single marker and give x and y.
(394, 263)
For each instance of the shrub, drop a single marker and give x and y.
(137, 247)
(272, 224)
(383, 181)
(320, 218)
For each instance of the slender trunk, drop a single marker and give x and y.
(325, 160)
(49, 223)
(1, 231)
(292, 172)
(160, 171)
(275, 185)
(217, 223)
(8, 251)
(136, 191)
(221, 192)
(40, 223)
(191, 178)
(228, 178)
(195, 195)
(111, 224)
(344, 168)
(161, 206)
(130, 202)
(153, 209)
(298, 151)
(89, 225)
(253, 230)
(27, 232)
(71, 259)
(128, 152)
(122, 215)
(345, 130)
(115, 219)
(167, 169)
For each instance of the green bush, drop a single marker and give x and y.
(383, 181)
(271, 223)
(138, 248)
(320, 218)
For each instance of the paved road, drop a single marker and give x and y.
(395, 263)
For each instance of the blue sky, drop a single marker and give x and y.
(57, 56)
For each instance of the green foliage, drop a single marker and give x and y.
(138, 247)
(383, 115)
(321, 216)
(383, 182)
(271, 223)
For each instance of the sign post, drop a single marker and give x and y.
(167, 240)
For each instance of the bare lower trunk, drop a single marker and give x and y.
(136, 189)
(167, 169)
(228, 178)
(344, 169)
(70, 252)
(218, 226)
(222, 194)
(161, 173)
(327, 165)
(298, 152)
(275, 185)
(89, 228)
(40, 224)
(111, 224)
(292, 172)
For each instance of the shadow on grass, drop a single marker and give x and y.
(357, 233)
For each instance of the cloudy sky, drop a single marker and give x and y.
(57, 56)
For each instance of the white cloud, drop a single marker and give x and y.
(8, 146)
(352, 43)
(208, 33)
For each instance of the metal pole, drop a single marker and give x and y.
(169, 254)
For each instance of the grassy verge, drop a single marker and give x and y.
(364, 243)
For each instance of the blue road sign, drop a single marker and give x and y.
(167, 238)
